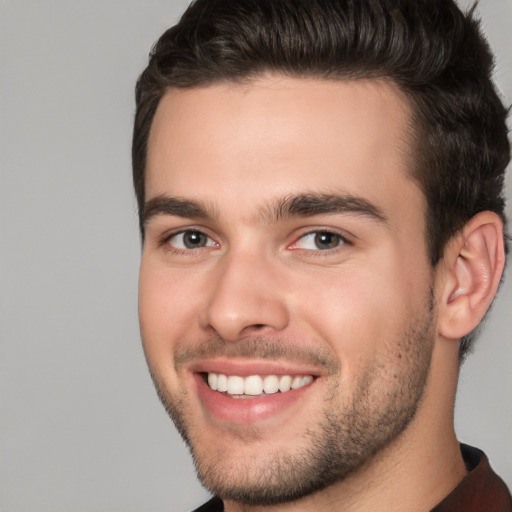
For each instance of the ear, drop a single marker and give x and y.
(473, 263)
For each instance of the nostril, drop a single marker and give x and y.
(255, 328)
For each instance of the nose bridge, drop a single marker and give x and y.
(245, 296)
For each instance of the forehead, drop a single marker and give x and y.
(279, 136)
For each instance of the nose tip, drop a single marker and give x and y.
(245, 300)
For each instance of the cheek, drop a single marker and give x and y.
(361, 314)
(349, 319)
(166, 309)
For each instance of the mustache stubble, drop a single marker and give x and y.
(260, 347)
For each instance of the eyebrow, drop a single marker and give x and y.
(301, 205)
(308, 205)
(177, 207)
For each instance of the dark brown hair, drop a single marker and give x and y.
(433, 52)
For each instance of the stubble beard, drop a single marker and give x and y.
(343, 440)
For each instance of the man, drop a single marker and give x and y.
(320, 198)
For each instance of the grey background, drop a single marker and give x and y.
(81, 427)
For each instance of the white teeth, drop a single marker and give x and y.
(255, 385)
(212, 381)
(235, 386)
(297, 382)
(271, 384)
(222, 383)
(285, 383)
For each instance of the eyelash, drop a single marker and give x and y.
(165, 241)
(343, 241)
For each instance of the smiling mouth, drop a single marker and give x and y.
(255, 385)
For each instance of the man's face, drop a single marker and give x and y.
(285, 263)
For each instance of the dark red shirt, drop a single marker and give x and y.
(482, 490)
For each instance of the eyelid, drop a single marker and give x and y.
(345, 239)
(169, 235)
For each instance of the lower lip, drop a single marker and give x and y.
(246, 411)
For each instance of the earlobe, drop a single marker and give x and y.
(474, 262)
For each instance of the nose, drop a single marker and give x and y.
(245, 299)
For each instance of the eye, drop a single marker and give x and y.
(190, 240)
(319, 241)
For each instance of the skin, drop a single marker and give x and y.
(367, 317)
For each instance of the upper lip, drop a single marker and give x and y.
(246, 367)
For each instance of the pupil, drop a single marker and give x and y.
(326, 240)
(194, 239)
